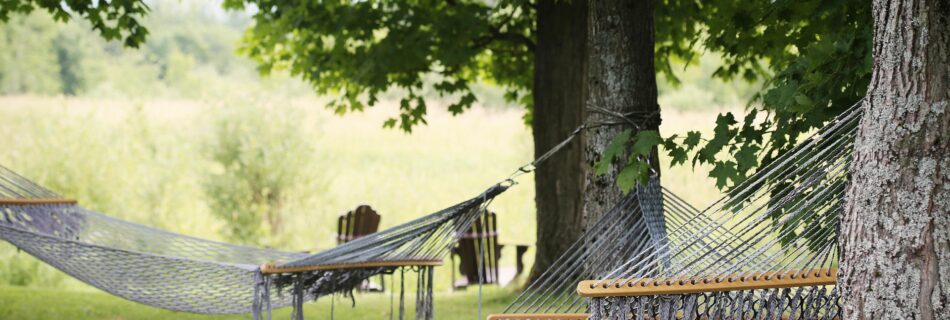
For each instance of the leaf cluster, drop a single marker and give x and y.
(114, 20)
(814, 57)
(634, 150)
(357, 51)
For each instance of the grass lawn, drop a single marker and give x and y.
(29, 303)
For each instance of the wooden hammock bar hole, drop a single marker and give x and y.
(717, 283)
(20, 202)
(539, 316)
(274, 269)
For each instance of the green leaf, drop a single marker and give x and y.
(646, 141)
(637, 171)
(677, 155)
(692, 139)
(61, 16)
(724, 121)
(747, 158)
(613, 150)
(803, 100)
(723, 172)
(781, 95)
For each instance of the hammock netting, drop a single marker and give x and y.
(623, 231)
(184, 273)
(766, 250)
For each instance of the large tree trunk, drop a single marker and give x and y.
(895, 234)
(559, 82)
(622, 80)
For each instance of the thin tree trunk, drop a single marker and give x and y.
(621, 79)
(895, 234)
(559, 82)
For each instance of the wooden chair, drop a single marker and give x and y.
(482, 236)
(356, 224)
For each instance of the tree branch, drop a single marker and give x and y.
(496, 35)
(513, 38)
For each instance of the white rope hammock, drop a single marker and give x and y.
(183, 273)
(766, 250)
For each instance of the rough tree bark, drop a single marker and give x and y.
(621, 79)
(896, 227)
(559, 82)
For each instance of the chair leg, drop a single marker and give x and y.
(520, 250)
(452, 267)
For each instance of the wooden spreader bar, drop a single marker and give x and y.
(274, 269)
(539, 316)
(716, 283)
(37, 201)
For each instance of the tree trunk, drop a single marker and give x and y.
(621, 79)
(895, 233)
(559, 82)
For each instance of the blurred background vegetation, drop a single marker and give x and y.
(183, 134)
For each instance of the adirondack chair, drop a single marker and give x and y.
(481, 243)
(354, 225)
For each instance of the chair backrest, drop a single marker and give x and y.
(483, 235)
(357, 223)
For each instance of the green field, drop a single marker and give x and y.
(28, 304)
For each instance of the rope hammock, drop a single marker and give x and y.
(183, 273)
(766, 250)
(622, 232)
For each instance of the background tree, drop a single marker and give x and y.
(895, 233)
(559, 90)
(25, 66)
(622, 85)
(256, 156)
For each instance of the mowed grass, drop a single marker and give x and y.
(43, 304)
